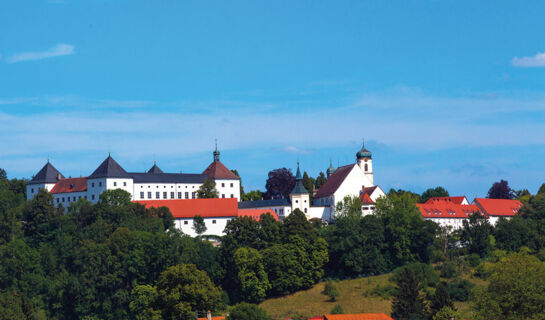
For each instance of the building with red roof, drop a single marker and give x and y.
(497, 208)
(358, 316)
(216, 212)
(447, 211)
(69, 190)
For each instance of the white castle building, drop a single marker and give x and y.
(354, 180)
(151, 185)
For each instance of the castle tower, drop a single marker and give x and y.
(300, 198)
(365, 162)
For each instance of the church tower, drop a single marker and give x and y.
(365, 162)
(300, 198)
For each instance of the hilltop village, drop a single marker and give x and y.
(179, 193)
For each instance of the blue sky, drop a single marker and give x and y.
(448, 93)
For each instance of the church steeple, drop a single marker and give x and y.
(216, 153)
(299, 187)
(363, 153)
(330, 170)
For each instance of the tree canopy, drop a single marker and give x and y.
(279, 184)
(207, 190)
(500, 190)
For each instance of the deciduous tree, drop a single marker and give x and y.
(500, 190)
(207, 190)
(279, 184)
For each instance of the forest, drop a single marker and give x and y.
(118, 260)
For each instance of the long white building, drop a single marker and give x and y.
(151, 185)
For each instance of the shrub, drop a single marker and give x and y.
(337, 309)
(460, 289)
(385, 292)
(473, 260)
(448, 270)
(331, 291)
(247, 311)
(424, 274)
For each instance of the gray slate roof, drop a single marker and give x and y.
(263, 203)
(155, 169)
(109, 168)
(48, 174)
(167, 177)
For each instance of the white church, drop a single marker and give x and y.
(355, 180)
(151, 185)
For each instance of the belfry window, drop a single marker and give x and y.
(366, 168)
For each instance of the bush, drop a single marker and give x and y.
(460, 289)
(448, 270)
(541, 254)
(385, 292)
(331, 291)
(473, 260)
(424, 274)
(247, 311)
(337, 309)
(483, 270)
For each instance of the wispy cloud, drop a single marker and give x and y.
(61, 49)
(528, 62)
(296, 150)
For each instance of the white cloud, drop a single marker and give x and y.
(56, 51)
(528, 62)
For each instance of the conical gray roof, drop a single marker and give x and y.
(48, 174)
(109, 168)
(155, 169)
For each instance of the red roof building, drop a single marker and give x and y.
(189, 208)
(70, 185)
(358, 316)
(447, 213)
(256, 213)
(455, 200)
(498, 207)
(217, 170)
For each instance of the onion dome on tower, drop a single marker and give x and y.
(363, 153)
(330, 170)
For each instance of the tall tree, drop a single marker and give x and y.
(3, 174)
(432, 193)
(308, 183)
(400, 192)
(252, 277)
(541, 189)
(408, 302)
(440, 299)
(198, 225)
(183, 289)
(38, 215)
(320, 180)
(500, 190)
(207, 190)
(253, 195)
(476, 233)
(279, 184)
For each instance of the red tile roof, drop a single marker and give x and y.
(334, 181)
(359, 316)
(70, 185)
(444, 209)
(256, 213)
(213, 318)
(366, 199)
(456, 200)
(189, 208)
(498, 207)
(217, 170)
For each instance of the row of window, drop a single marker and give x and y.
(187, 222)
(173, 195)
(164, 187)
(73, 198)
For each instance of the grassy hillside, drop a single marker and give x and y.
(312, 302)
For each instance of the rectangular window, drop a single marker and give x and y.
(187, 195)
(213, 221)
(185, 222)
(62, 199)
(58, 200)
(149, 195)
(32, 190)
(165, 195)
(231, 184)
(85, 197)
(193, 195)
(74, 199)
(222, 184)
(115, 184)
(232, 195)
(179, 195)
(92, 197)
(157, 195)
(172, 195)
(100, 184)
(93, 184)
(124, 184)
(141, 195)
(223, 195)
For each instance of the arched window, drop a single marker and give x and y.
(366, 168)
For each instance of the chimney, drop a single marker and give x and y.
(209, 315)
(58, 176)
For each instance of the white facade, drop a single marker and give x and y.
(32, 189)
(214, 226)
(228, 188)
